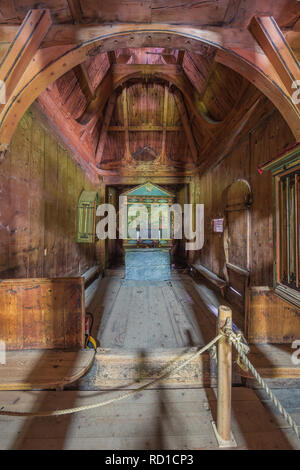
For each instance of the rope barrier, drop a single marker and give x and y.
(238, 341)
(166, 373)
(240, 344)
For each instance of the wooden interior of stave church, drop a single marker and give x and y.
(181, 124)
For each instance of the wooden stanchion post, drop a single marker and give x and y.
(223, 428)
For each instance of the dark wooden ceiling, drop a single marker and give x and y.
(235, 13)
(161, 124)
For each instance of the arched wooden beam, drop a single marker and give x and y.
(50, 63)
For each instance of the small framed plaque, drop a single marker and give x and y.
(218, 225)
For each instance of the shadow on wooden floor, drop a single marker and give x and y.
(35, 427)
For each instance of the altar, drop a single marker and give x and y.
(149, 233)
(149, 219)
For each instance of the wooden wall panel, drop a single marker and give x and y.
(182, 197)
(19, 241)
(40, 187)
(42, 313)
(267, 139)
(51, 205)
(36, 210)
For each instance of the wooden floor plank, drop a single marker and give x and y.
(153, 419)
(152, 315)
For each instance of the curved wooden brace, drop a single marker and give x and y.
(50, 63)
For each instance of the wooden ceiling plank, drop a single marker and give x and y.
(186, 125)
(192, 13)
(22, 49)
(172, 73)
(75, 9)
(103, 134)
(270, 38)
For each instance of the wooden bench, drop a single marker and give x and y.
(42, 313)
(90, 275)
(42, 326)
(43, 368)
(210, 277)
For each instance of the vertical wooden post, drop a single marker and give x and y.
(224, 378)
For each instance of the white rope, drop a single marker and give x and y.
(166, 373)
(236, 338)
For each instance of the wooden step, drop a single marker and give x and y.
(129, 369)
(125, 368)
